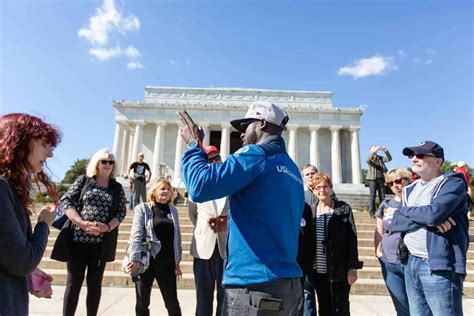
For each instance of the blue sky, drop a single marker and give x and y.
(410, 62)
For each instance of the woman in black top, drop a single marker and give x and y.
(95, 203)
(336, 258)
(156, 225)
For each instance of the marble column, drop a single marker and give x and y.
(292, 152)
(158, 147)
(225, 140)
(336, 154)
(124, 151)
(177, 158)
(207, 133)
(117, 139)
(138, 139)
(355, 155)
(131, 140)
(314, 145)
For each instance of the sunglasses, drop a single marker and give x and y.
(110, 162)
(398, 181)
(420, 156)
(245, 125)
(215, 158)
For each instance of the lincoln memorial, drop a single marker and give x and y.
(317, 133)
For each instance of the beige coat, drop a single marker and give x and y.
(204, 238)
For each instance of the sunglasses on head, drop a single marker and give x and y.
(420, 156)
(105, 161)
(215, 158)
(398, 181)
(245, 125)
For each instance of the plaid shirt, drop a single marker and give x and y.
(142, 231)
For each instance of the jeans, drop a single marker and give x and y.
(139, 191)
(207, 276)
(278, 297)
(309, 298)
(394, 277)
(432, 292)
(84, 256)
(376, 186)
(131, 201)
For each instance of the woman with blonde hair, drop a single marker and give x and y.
(386, 244)
(95, 204)
(156, 229)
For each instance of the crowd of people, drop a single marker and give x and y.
(265, 249)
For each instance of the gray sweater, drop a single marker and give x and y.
(20, 251)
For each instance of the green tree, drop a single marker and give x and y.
(78, 168)
(449, 166)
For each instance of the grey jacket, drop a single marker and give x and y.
(142, 231)
(20, 251)
(375, 162)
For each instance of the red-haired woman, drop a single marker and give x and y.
(26, 142)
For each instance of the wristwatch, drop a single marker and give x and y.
(193, 144)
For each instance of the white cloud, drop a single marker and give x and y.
(429, 61)
(372, 66)
(431, 51)
(188, 63)
(401, 52)
(133, 65)
(132, 52)
(107, 20)
(106, 53)
(416, 59)
(172, 61)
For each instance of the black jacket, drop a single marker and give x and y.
(341, 245)
(307, 242)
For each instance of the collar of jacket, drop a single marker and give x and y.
(340, 207)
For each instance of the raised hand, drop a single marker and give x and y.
(189, 130)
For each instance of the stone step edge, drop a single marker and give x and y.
(53, 272)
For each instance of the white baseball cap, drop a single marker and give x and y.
(262, 110)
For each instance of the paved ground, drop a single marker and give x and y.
(121, 301)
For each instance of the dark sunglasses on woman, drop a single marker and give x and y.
(105, 161)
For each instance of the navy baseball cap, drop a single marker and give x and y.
(426, 147)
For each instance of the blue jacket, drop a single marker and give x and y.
(266, 204)
(446, 251)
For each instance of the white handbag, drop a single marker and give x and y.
(144, 260)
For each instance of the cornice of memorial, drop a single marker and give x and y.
(238, 106)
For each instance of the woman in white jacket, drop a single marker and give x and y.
(156, 225)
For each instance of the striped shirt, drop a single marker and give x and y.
(321, 225)
(420, 196)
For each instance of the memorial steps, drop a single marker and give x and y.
(370, 277)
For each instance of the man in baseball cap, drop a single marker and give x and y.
(262, 110)
(213, 154)
(426, 148)
(435, 226)
(266, 200)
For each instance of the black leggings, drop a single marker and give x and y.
(164, 271)
(84, 256)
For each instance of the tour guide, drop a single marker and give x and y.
(266, 205)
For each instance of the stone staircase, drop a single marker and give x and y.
(370, 277)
